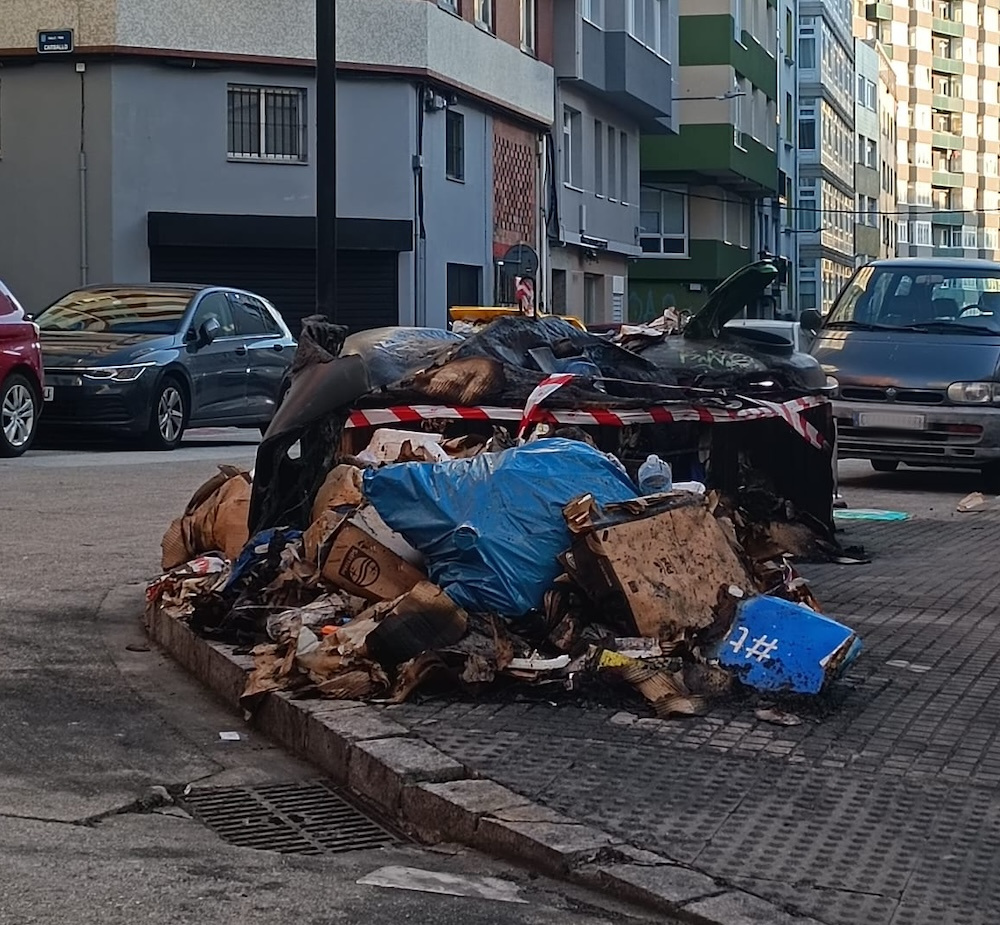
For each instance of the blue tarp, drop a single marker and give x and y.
(491, 527)
(775, 645)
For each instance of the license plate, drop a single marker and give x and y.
(48, 393)
(892, 420)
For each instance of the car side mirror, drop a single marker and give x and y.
(209, 331)
(811, 320)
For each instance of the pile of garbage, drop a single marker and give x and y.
(461, 563)
(526, 503)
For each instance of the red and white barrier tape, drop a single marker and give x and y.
(790, 412)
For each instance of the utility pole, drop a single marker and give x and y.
(326, 158)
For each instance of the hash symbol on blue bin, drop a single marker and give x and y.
(761, 648)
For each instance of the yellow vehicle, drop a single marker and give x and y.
(484, 314)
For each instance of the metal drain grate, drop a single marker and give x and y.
(305, 817)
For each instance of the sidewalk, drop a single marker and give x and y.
(883, 811)
(881, 808)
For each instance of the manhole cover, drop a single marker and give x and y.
(306, 817)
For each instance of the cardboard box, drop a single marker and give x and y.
(350, 558)
(657, 566)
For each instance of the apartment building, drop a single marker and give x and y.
(703, 210)
(827, 143)
(867, 175)
(783, 238)
(175, 141)
(614, 64)
(888, 146)
(946, 58)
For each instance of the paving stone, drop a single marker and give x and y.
(553, 847)
(379, 769)
(452, 810)
(738, 908)
(663, 885)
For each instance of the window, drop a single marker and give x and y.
(807, 133)
(647, 22)
(871, 95)
(454, 152)
(871, 154)
(215, 305)
(593, 11)
(529, 22)
(808, 216)
(789, 34)
(623, 161)
(789, 121)
(922, 233)
(598, 157)
(663, 222)
(612, 163)
(572, 148)
(267, 124)
(484, 13)
(903, 231)
(452, 6)
(807, 52)
(252, 317)
(738, 20)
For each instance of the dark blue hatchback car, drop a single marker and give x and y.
(151, 360)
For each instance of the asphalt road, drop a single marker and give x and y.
(90, 719)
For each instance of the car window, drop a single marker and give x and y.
(252, 317)
(215, 305)
(921, 295)
(118, 311)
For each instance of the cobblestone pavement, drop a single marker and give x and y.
(881, 809)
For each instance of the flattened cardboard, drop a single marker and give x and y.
(657, 569)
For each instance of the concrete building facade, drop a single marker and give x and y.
(827, 142)
(946, 58)
(614, 63)
(178, 142)
(704, 210)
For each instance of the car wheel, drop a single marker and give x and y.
(168, 418)
(19, 411)
(885, 465)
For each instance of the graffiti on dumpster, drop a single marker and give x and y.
(718, 359)
(761, 648)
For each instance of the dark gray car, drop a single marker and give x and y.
(150, 360)
(915, 346)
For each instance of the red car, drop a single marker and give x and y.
(22, 388)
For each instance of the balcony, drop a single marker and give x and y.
(947, 140)
(949, 218)
(948, 103)
(941, 26)
(627, 75)
(876, 11)
(949, 179)
(949, 252)
(708, 154)
(947, 65)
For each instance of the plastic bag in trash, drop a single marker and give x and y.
(491, 527)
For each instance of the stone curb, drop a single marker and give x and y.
(438, 799)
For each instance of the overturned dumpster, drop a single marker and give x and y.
(436, 510)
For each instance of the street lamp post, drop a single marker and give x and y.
(326, 158)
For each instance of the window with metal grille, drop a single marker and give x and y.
(455, 145)
(267, 124)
